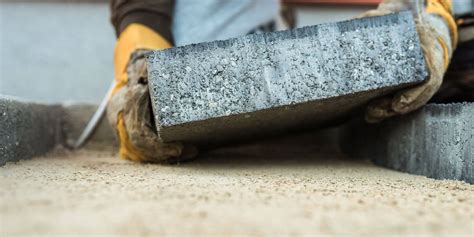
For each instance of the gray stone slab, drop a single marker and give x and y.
(27, 129)
(436, 141)
(274, 82)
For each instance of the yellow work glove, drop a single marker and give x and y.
(438, 36)
(129, 108)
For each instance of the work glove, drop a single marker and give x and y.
(129, 108)
(438, 36)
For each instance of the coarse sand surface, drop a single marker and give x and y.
(278, 188)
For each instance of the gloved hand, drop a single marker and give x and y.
(438, 36)
(129, 108)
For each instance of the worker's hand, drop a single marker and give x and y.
(129, 108)
(438, 37)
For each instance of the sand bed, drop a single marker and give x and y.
(258, 190)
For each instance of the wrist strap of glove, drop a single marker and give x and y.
(443, 8)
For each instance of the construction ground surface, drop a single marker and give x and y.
(279, 188)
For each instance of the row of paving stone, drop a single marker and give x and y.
(436, 141)
(30, 129)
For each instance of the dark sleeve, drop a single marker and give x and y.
(155, 14)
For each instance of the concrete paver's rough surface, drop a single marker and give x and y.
(27, 129)
(436, 141)
(289, 188)
(271, 82)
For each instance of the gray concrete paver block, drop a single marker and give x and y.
(274, 82)
(27, 129)
(436, 141)
(30, 129)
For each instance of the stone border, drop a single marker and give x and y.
(437, 141)
(29, 129)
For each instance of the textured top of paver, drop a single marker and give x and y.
(262, 71)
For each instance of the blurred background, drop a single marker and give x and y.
(56, 51)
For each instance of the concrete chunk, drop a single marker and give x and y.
(274, 82)
(436, 141)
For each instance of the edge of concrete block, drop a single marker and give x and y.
(436, 141)
(29, 129)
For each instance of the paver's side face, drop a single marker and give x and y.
(27, 129)
(437, 141)
(261, 71)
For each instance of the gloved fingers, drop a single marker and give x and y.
(189, 152)
(145, 148)
(379, 109)
(387, 7)
(411, 99)
(115, 105)
(138, 138)
(375, 12)
(402, 102)
(141, 134)
(164, 151)
(137, 70)
(129, 108)
(436, 48)
(144, 145)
